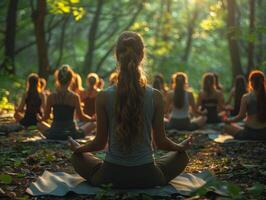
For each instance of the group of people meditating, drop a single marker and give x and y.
(130, 118)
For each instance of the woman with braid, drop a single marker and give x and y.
(63, 103)
(127, 115)
(253, 108)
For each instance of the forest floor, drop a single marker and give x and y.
(243, 165)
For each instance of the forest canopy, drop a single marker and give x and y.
(194, 36)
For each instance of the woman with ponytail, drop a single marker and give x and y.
(88, 96)
(32, 103)
(179, 102)
(211, 99)
(127, 116)
(159, 84)
(253, 107)
(239, 89)
(63, 103)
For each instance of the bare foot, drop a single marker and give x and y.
(187, 143)
(73, 144)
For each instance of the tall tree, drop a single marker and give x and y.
(251, 32)
(88, 62)
(38, 17)
(190, 32)
(232, 40)
(8, 64)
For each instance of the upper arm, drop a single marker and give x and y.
(102, 121)
(158, 118)
(169, 101)
(77, 103)
(243, 107)
(192, 101)
(22, 103)
(47, 109)
(43, 100)
(199, 100)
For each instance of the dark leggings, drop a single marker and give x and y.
(251, 134)
(98, 172)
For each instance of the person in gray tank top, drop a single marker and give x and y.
(179, 102)
(253, 107)
(129, 114)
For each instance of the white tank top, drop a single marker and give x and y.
(181, 113)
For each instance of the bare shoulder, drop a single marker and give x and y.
(219, 93)
(157, 97)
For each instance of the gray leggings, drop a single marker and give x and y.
(98, 172)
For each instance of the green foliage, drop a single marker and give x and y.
(5, 179)
(257, 189)
(67, 7)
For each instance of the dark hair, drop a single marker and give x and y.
(208, 83)
(130, 90)
(180, 82)
(93, 79)
(158, 82)
(240, 89)
(217, 82)
(257, 82)
(33, 84)
(64, 75)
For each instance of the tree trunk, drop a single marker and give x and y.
(38, 16)
(62, 41)
(232, 40)
(190, 32)
(88, 62)
(131, 22)
(251, 64)
(8, 64)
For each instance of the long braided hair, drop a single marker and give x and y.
(130, 90)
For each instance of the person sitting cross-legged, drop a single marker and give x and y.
(127, 116)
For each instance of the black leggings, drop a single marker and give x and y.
(251, 134)
(99, 172)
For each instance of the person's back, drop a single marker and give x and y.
(31, 103)
(63, 104)
(141, 152)
(253, 109)
(179, 102)
(89, 95)
(127, 115)
(211, 99)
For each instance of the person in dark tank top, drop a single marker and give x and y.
(129, 115)
(63, 104)
(32, 102)
(211, 99)
(253, 108)
(239, 89)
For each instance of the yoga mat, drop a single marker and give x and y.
(199, 131)
(8, 128)
(41, 139)
(60, 183)
(225, 138)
